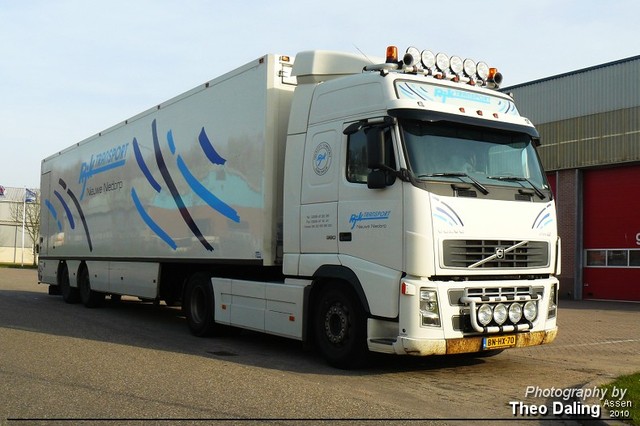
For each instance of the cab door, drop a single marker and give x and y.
(370, 220)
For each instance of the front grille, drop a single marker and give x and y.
(508, 292)
(495, 254)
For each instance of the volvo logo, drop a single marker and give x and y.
(499, 252)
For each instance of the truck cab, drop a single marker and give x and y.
(417, 191)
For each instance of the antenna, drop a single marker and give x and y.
(362, 53)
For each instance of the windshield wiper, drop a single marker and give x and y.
(537, 190)
(477, 184)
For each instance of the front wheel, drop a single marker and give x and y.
(341, 328)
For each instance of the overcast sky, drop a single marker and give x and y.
(71, 68)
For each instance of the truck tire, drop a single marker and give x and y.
(341, 328)
(90, 298)
(54, 290)
(199, 305)
(69, 294)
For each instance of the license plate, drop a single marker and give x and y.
(498, 342)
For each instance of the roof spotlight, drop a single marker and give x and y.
(412, 57)
(482, 70)
(455, 63)
(442, 62)
(469, 66)
(428, 59)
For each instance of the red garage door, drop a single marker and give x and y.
(611, 213)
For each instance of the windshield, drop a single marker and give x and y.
(486, 156)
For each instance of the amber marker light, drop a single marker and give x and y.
(392, 54)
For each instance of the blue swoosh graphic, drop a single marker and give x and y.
(143, 167)
(172, 145)
(166, 175)
(73, 197)
(53, 212)
(213, 201)
(150, 222)
(66, 209)
(208, 149)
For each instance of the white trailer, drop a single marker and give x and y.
(396, 208)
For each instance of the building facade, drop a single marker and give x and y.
(14, 249)
(589, 123)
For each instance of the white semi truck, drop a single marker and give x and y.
(394, 206)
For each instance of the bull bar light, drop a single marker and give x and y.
(485, 314)
(500, 313)
(530, 311)
(515, 313)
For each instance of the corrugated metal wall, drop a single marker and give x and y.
(586, 118)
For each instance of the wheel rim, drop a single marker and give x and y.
(336, 324)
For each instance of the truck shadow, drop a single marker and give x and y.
(158, 327)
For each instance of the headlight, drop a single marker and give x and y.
(429, 309)
(553, 301)
(485, 314)
(500, 313)
(530, 310)
(515, 313)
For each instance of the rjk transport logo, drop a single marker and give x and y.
(100, 163)
(322, 157)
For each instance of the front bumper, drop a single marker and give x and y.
(421, 347)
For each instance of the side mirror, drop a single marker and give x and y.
(377, 179)
(375, 148)
(381, 175)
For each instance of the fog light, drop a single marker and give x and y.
(530, 310)
(515, 313)
(485, 314)
(500, 313)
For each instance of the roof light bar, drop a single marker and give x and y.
(440, 66)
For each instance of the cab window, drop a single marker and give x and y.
(357, 170)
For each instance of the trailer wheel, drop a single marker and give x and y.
(199, 305)
(90, 298)
(340, 328)
(69, 294)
